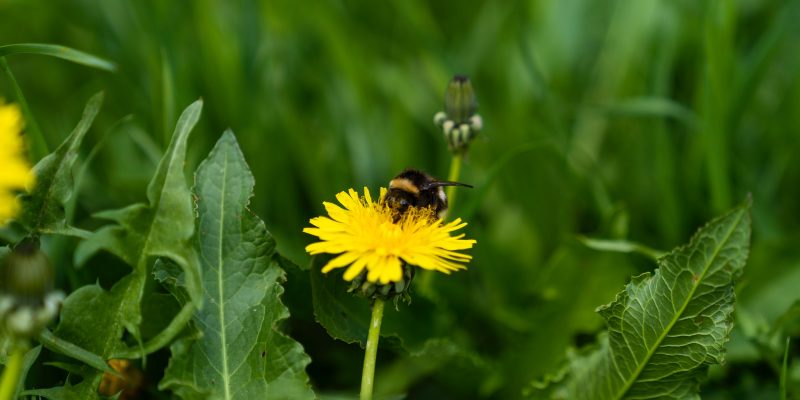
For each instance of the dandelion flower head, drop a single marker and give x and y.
(15, 172)
(365, 235)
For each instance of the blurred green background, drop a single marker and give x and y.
(630, 119)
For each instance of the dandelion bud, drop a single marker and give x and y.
(440, 118)
(27, 274)
(27, 299)
(459, 101)
(459, 122)
(476, 123)
(447, 127)
(465, 134)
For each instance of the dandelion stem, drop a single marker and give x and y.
(455, 171)
(371, 352)
(8, 383)
(784, 369)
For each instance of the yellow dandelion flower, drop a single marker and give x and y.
(365, 236)
(15, 172)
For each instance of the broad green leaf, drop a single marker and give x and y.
(238, 351)
(62, 52)
(665, 328)
(346, 316)
(95, 319)
(297, 290)
(43, 209)
(343, 315)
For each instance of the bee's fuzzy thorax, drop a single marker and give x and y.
(404, 184)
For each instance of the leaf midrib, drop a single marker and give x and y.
(220, 281)
(652, 350)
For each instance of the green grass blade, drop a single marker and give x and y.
(167, 95)
(716, 103)
(62, 52)
(620, 246)
(651, 106)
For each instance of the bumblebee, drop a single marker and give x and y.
(413, 188)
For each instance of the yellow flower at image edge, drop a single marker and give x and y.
(364, 235)
(15, 172)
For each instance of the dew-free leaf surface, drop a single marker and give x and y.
(95, 319)
(237, 350)
(665, 328)
(43, 209)
(346, 316)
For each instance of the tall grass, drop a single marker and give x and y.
(634, 120)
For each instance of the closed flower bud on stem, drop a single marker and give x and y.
(459, 101)
(27, 299)
(460, 122)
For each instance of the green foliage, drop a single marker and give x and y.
(53, 343)
(411, 327)
(161, 228)
(39, 144)
(27, 363)
(57, 51)
(344, 316)
(94, 318)
(622, 246)
(629, 123)
(44, 208)
(665, 329)
(237, 350)
(43, 213)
